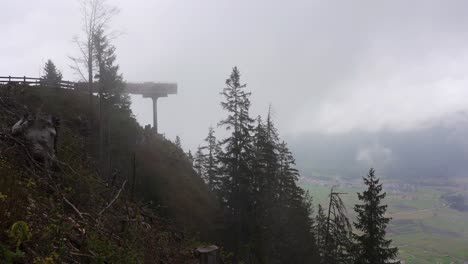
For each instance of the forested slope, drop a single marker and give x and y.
(146, 206)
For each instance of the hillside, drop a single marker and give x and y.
(149, 206)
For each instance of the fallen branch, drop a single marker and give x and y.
(26, 150)
(81, 254)
(80, 214)
(115, 198)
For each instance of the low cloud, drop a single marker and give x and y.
(374, 156)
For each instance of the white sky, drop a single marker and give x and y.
(325, 66)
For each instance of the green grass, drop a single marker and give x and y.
(424, 229)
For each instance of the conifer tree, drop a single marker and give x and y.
(267, 153)
(236, 159)
(320, 233)
(199, 164)
(263, 194)
(190, 157)
(110, 81)
(211, 164)
(372, 246)
(291, 212)
(267, 215)
(52, 76)
(288, 175)
(178, 143)
(111, 95)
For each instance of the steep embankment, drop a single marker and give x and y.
(70, 213)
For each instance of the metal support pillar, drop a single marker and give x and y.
(155, 114)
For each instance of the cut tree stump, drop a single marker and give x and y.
(208, 254)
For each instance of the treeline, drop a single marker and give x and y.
(268, 218)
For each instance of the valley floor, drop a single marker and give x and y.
(423, 227)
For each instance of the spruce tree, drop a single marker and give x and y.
(372, 246)
(178, 143)
(320, 230)
(267, 215)
(199, 164)
(265, 173)
(288, 175)
(211, 164)
(236, 160)
(52, 76)
(267, 156)
(190, 157)
(291, 213)
(111, 96)
(110, 81)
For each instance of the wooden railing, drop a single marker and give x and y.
(150, 89)
(35, 82)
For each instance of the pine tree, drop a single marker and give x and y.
(285, 207)
(199, 164)
(263, 194)
(178, 143)
(288, 175)
(236, 159)
(52, 76)
(110, 81)
(267, 215)
(372, 246)
(111, 95)
(266, 158)
(320, 230)
(190, 157)
(211, 165)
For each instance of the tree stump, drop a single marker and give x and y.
(208, 254)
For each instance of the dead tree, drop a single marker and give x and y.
(96, 15)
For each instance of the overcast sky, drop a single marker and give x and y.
(327, 67)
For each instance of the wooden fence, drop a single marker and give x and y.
(35, 82)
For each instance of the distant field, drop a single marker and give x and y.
(422, 226)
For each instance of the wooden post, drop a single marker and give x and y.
(208, 254)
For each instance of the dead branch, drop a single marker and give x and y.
(26, 150)
(115, 198)
(81, 254)
(80, 214)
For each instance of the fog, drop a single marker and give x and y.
(331, 69)
(432, 152)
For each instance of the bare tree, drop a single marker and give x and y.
(96, 16)
(338, 243)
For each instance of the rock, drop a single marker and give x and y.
(40, 133)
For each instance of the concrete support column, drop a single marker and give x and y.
(155, 114)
